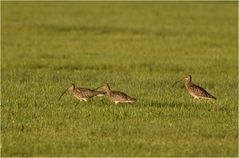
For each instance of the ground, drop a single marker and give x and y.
(140, 48)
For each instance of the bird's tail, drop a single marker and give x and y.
(209, 96)
(213, 97)
(132, 99)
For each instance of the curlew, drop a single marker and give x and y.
(82, 94)
(195, 91)
(117, 96)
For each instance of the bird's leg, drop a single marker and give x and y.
(195, 98)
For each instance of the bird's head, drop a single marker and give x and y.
(72, 86)
(188, 78)
(105, 87)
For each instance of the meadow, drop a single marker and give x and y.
(140, 48)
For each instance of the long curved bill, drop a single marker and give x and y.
(63, 94)
(177, 82)
(97, 88)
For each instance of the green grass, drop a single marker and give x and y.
(140, 48)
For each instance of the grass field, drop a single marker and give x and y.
(140, 48)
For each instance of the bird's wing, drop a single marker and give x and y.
(201, 92)
(88, 93)
(121, 96)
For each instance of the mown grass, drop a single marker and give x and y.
(140, 48)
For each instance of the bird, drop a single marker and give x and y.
(82, 94)
(196, 91)
(117, 96)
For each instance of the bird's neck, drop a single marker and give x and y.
(108, 91)
(188, 84)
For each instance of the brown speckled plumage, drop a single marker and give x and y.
(83, 94)
(117, 96)
(195, 91)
